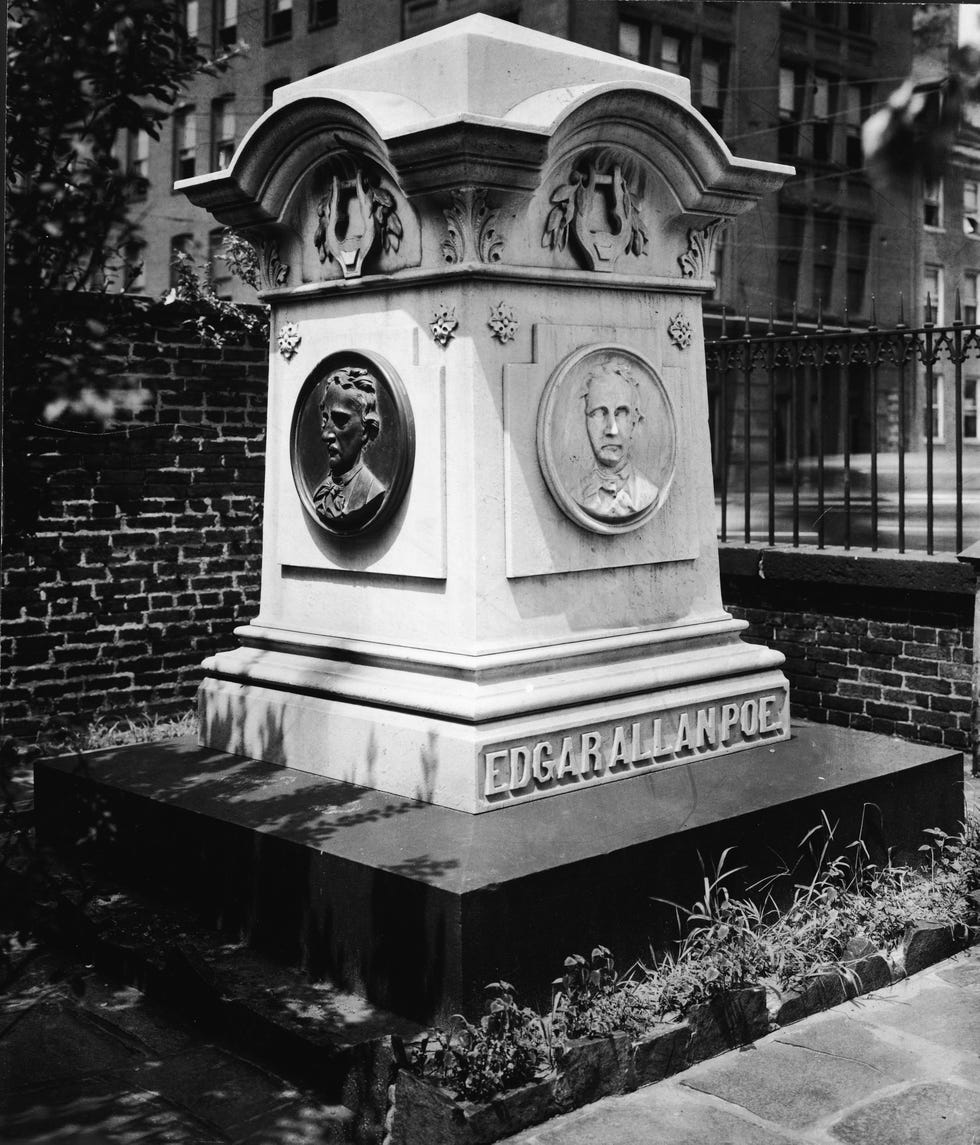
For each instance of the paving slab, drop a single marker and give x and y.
(656, 1115)
(920, 1115)
(804, 1073)
(941, 1014)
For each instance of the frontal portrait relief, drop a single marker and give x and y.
(616, 487)
(606, 439)
(352, 443)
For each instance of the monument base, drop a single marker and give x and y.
(481, 733)
(418, 906)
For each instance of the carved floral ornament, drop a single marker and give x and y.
(357, 216)
(444, 323)
(696, 260)
(289, 340)
(471, 226)
(503, 322)
(599, 210)
(680, 331)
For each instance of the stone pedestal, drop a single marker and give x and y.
(419, 907)
(488, 248)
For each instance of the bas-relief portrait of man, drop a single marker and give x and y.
(353, 443)
(615, 488)
(606, 439)
(350, 423)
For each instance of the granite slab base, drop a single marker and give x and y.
(417, 906)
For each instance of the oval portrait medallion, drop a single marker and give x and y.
(607, 438)
(352, 443)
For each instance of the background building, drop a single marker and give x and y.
(827, 237)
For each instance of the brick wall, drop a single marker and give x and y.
(878, 656)
(144, 547)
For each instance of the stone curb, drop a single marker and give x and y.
(592, 1068)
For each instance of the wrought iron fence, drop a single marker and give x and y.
(863, 438)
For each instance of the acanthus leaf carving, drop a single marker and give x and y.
(471, 224)
(695, 262)
(274, 271)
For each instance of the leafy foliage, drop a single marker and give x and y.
(80, 75)
(505, 1049)
(216, 319)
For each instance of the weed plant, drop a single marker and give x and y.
(725, 943)
(507, 1048)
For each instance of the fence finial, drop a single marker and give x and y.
(928, 321)
(772, 327)
(957, 310)
(796, 321)
(747, 332)
(724, 321)
(847, 321)
(873, 325)
(901, 309)
(819, 313)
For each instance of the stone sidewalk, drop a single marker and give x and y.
(900, 1067)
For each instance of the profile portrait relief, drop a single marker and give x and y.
(352, 443)
(349, 423)
(606, 435)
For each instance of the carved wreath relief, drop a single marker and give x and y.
(599, 209)
(354, 218)
(606, 439)
(352, 443)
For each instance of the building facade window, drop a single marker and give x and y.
(322, 12)
(634, 40)
(823, 118)
(789, 110)
(932, 203)
(714, 80)
(226, 22)
(971, 208)
(789, 241)
(932, 288)
(190, 14)
(222, 132)
(278, 19)
(138, 154)
(182, 244)
(674, 53)
(933, 420)
(271, 88)
(134, 266)
(971, 423)
(824, 258)
(218, 269)
(971, 278)
(185, 143)
(854, 116)
(858, 256)
(858, 17)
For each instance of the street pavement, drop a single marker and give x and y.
(900, 1067)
